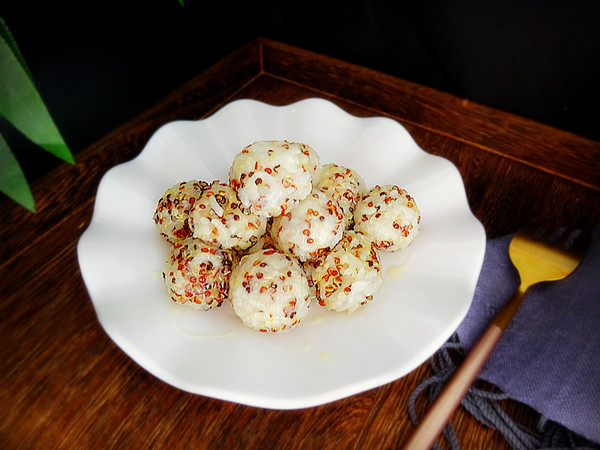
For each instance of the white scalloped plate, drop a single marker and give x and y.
(426, 293)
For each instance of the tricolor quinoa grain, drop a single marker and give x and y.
(285, 230)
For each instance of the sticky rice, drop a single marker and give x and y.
(271, 176)
(217, 217)
(389, 216)
(345, 185)
(196, 274)
(269, 291)
(310, 228)
(282, 231)
(172, 214)
(348, 276)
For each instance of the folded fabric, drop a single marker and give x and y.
(549, 356)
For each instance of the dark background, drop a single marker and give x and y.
(98, 64)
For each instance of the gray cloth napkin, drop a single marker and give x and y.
(549, 356)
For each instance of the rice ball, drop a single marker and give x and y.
(310, 228)
(196, 274)
(271, 176)
(389, 216)
(347, 277)
(172, 213)
(269, 291)
(217, 217)
(344, 185)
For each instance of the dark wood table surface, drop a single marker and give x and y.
(65, 384)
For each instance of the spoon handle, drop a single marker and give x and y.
(439, 414)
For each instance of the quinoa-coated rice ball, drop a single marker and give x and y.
(217, 217)
(271, 176)
(389, 216)
(196, 274)
(310, 228)
(344, 185)
(347, 277)
(172, 213)
(269, 291)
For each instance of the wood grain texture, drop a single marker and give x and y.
(544, 148)
(64, 384)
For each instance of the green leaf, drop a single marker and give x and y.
(10, 41)
(12, 179)
(21, 104)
